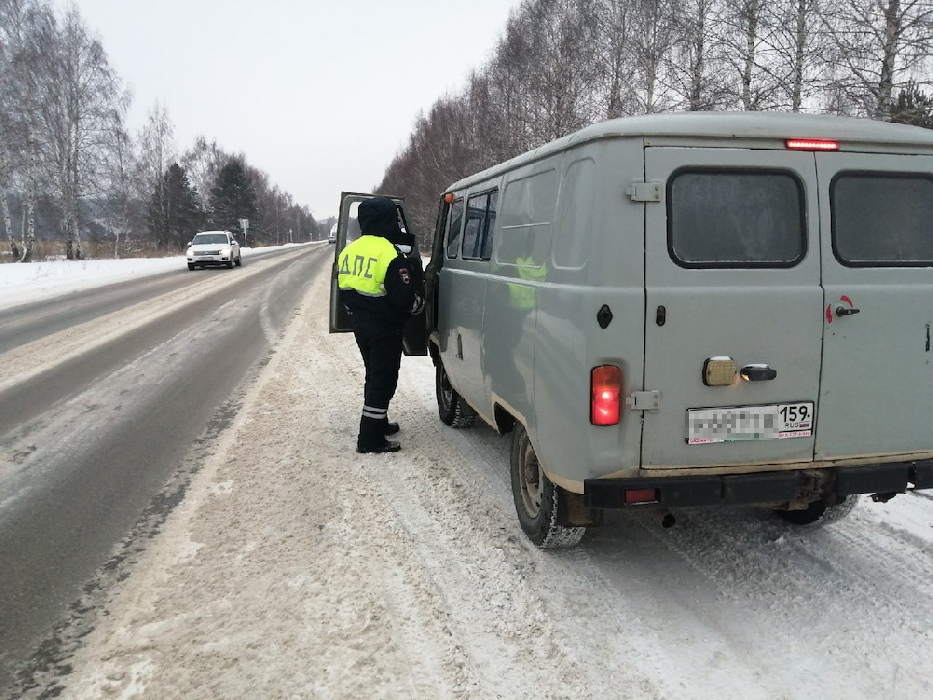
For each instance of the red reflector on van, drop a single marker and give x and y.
(812, 144)
(605, 395)
(633, 496)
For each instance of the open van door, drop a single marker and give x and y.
(432, 269)
(348, 230)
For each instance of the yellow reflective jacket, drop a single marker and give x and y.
(362, 265)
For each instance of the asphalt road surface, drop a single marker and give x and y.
(107, 396)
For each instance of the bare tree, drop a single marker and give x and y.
(700, 62)
(563, 82)
(26, 30)
(652, 40)
(746, 32)
(123, 193)
(156, 153)
(78, 102)
(202, 162)
(798, 47)
(880, 46)
(613, 60)
(502, 92)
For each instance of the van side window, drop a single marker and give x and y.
(455, 219)
(480, 219)
(571, 247)
(526, 218)
(737, 218)
(882, 219)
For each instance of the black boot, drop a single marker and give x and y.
(390, 428)
(387, 446)
(372, 437)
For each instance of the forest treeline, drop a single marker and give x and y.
(562, 64)
(71, 169)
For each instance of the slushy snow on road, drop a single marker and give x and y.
(296, 568)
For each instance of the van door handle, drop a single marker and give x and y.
(758, 373)
(846, 311)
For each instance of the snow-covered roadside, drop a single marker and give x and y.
(21, 283)
(297, 569)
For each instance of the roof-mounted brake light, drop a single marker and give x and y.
(812, 144)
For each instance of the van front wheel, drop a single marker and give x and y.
(451, 407)
(537, 500)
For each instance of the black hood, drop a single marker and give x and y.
(378, 217)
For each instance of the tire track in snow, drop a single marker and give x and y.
(513, 603)
(826, 602)
(417, 559)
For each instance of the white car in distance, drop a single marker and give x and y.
(213, 248)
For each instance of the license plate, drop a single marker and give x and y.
(770, 422)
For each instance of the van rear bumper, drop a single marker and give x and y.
(762, 487)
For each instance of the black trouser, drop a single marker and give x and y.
(380, 345)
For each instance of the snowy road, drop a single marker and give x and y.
(294, 568)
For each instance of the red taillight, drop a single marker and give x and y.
(633, 496)
(812, 144)
(605, 395)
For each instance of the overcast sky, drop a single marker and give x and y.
(319, 94)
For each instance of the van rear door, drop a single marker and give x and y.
(734, 308)
(877, 384)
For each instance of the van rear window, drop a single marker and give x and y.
(736, 218)
(882, 219)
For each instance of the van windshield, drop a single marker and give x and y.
(882, 219)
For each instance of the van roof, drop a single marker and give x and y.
(746, 126)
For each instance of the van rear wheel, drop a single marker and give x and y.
(537, 500)
(451, 407)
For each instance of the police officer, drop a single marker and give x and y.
(380, 287)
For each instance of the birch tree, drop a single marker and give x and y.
(80, 99)
(744, 33)
(26, 30)
(123, 192)
(879, 46)
(798, 46)
(156, 152)
(563, 81)
(506, 87)
(652, 41)
(699, 64)
(203, 162)
(7, 122)
(612, 57)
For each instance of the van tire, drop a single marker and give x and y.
(537, 499)
(819, 514)
(451, 407)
